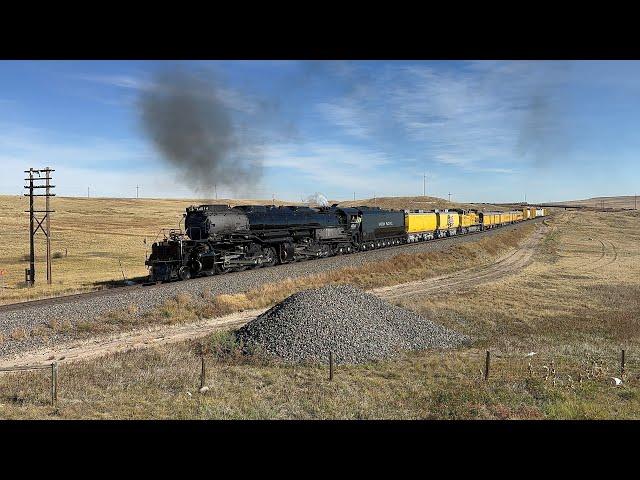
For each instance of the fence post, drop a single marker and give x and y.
(330, 365)
(202, 371)
(622, 363)
(486, 366)
(54, 384)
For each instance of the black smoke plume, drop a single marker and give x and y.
(185, 115)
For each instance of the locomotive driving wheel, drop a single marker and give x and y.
(184, 273)
(269, 254)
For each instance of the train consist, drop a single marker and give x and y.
(219, 238)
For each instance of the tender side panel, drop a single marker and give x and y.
(422, 222)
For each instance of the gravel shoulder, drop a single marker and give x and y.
(62, 349)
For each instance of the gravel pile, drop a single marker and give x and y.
(356, 326)
(77, 309)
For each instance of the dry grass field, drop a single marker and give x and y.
(628, 202)
(555, 330)
(100, 242)
(415, 203)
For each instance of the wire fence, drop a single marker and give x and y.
(53, 368)
(568, 368)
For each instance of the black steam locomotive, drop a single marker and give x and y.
(219, 238)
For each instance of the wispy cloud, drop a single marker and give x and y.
(99, 158)
(232, 98)
(347, 117)
(479, 117)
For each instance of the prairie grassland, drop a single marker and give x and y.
(575, 306)
(160, 378)
(414, 203)
(628, 201)
(581, 294)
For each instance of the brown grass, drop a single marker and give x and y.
(575, 306)
(163, 383)
(415, 203)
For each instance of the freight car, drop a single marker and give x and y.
(220, 238)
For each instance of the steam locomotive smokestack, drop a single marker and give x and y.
(185, 117)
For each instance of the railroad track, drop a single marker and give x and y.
(12, 307)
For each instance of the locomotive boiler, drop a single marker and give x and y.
(220, 238)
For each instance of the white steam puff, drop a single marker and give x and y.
(318, 200)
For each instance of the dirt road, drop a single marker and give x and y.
(509, 264)
(506, 265)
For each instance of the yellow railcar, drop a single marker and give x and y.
(421, 225)
(532, 212)
(448, 222)
(468, 219)
(490, 219)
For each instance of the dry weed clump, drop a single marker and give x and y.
(18, 334)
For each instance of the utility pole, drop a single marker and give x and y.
(137, 187)
(424, 184)
(354, 196)
(87, 192)
(449, 196)
(273, 198)
(30, 273)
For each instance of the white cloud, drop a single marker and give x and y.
(346, 116)
(121, 81)
(488, 116)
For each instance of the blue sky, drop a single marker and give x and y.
(484, 131)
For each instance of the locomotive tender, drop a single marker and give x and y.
(219, 238)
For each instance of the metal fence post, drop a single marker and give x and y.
(622, 363)
(202, 371)
(330, 365)
(54, 384)
(487, 362)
